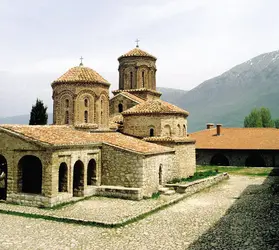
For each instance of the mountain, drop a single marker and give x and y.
(20, 119)
(171, 95)
(228, 98)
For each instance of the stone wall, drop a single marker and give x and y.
(163, 125)
(237, 157)
(157, 168)
(136, 73)
(121, 167)
(97, 96)
(120, 99)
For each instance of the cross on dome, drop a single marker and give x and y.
(137, 41)
(81, 58)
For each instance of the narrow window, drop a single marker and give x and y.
(101, 104)
(67, 103)
(120, 107)
(151, 132)
(85, 116)
(142, 77)
(131, 79)
(86, 103)
(67, 117)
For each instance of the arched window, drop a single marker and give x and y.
(131, 79)
(86, 103)
(184, 130)
(160, 175)
(120, 107)
(67, 103)
(142, 77)
(67, 117)
(178, 130)
(151, 132)
(86, 116)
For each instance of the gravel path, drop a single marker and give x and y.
(240, 213)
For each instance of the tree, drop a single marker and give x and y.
(267, 121)
(253, 120)
(276, 123)
(38, 114)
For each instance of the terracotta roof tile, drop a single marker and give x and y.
(67, 135)
(81, 74)
(169, 139)
(155, 106)
(137, 52)
(238, 138)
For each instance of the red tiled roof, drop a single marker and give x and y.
(155, 106)
(67, 135)
(137, 52)
(238, 138)
(81, 74)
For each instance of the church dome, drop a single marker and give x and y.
(137, 52)
(81, 74)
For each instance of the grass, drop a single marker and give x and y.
(250, 171)
(197, 176)
(155, 195)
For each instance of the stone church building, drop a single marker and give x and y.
(127, 146)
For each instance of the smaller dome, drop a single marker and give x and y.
(137, 52)
(155, 107)
(81, 74)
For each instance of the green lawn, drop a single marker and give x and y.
(252, 171)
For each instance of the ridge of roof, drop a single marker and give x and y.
(129, 96)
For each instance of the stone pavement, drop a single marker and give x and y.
(240, 213)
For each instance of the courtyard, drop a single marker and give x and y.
(238, 213)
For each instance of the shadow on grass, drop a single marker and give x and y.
(252, 222)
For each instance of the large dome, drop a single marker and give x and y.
(81, 74)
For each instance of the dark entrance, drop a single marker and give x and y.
(78, 182)
(91, 173)
(3, 178)
(219, 160)
(160, 174)
(30, 174)
(255, 160)
(63, 178)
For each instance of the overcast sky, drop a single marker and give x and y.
(194, 40)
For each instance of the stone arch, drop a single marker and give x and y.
(120, 108)
(78, 179)
(63, 178)
(3, 177)
(178, 130)
(30, 174)
(85, 103)
(167, 130)
(92, 172)
(219, 160)
(143, 77)
(130, 78)
(66, 103)
(104, 109)
(255, 160)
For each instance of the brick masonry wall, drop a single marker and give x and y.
(126, 102)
